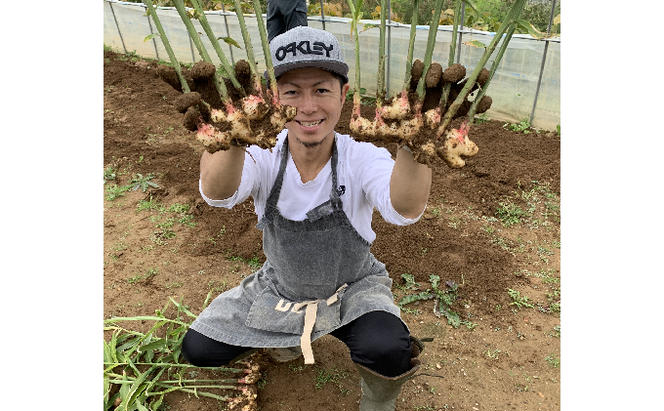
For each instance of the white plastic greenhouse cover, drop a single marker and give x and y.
(512, 89)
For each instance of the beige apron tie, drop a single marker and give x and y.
(310, 320)
(305, 339)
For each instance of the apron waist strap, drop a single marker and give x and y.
(310, 320)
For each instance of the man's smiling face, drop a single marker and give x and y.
(318, 97)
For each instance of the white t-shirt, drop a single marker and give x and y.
(363, 172)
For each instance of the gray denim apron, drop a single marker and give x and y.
(319, 275)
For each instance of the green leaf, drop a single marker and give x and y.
(368, 26)
(108, 357)
(107, 389)
(150, 36)
(140, 406)
(472, 6)
(231, 41)
(435, 280)
(532, 30)
(154, 345)
(157, 403)
(446, 298)
(475, 43)
(123, 393)
(149, 355)
(453, 318)
(113, 347)
(182, 308)
(135, 389)
(425, 295)
(209, 294)
(411, 284)
(144, 318)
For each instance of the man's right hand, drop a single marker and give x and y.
(239, 119)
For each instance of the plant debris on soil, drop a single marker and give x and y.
(491, 228)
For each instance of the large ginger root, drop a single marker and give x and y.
(431, 98)
(410, 120)
(255, 118)
(229, 108)
(457, 145)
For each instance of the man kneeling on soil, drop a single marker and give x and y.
(314, 195)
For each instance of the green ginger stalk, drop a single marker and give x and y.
(167, 45)
(511, 18)
(217, 47)
(219, 83)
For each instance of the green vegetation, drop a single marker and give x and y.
(521, 127)
(443, 299)
(143, 277)
(333, 376)
(519, 300)
(110, 174)
(253, 262)
(114, 191)
(509, 213)
(536, 206)
(141, 368)
(143, 182)
(138, 181)
(480, 118)
(493, 354)
(553, 360)
(490, 13)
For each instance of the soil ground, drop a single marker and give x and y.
(492, 227)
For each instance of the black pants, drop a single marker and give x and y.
(283, 15)
(377, 340)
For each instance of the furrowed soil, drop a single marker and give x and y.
(491, 227)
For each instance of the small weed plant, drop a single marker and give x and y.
(253, 262)
(481, 119)
(333, 376)
(509, 213)
(143, 182)
(144, 277)
(522, 126)
(553, 360)
(519, 300)
(443, 298)
(110, 174)
(166, 218)
(114, 191)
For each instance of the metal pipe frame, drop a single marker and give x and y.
(118, 27)
(546, 48)
(389, 24)
(154, 42)
(322, 14)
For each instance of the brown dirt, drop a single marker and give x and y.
(433, 75)
(507, 361)
(483, 76)
(454, 73)
(484, 104)
(416, 73)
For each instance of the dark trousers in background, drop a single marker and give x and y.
(283, 15)
(377, 340)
